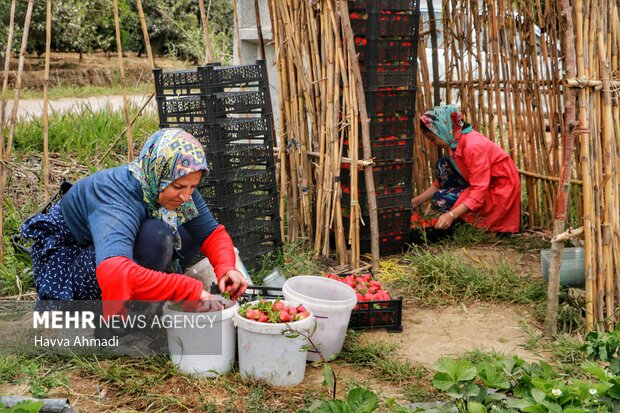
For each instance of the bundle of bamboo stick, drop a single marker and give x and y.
(321, 107)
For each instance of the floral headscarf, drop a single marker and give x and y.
(444, 121)
(167, 155)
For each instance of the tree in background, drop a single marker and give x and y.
(85, 26)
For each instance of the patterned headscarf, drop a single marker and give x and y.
(444, 121)
(169, 154)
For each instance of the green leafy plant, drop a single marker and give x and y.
(603, 346)
(359, 400)
(26, 406)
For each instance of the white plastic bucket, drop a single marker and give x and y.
(266, 354)
(331, 302)
(202, 343)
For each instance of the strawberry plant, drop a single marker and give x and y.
(273, 311)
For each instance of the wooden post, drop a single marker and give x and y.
(48, 42)
(5, 82)
(121, 68)
(551, 319)
(13, 120)
(361, 100)
(145, 33)
(205, 30)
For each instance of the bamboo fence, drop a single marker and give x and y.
(507, 66)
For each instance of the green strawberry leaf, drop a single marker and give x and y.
(476, 407)
(362, 400)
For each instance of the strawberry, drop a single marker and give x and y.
(301, 309)
(263, 318)
(301, 315)
(285, 317)
(278, 306)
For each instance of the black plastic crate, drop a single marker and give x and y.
(215, 136)
(389, 197)
(248, 207)
(240, 191)
(385, 50)
(385, 174)
(209, 79)
(387, 24)
(391, 126)
(378, 314)
(397, 150)
(383, 80)
(393, 5)
(179, 82)
(253, 75)
(390, 242)
(390, 101)
(207, 108)
(389, 220)
(238, 156)
(244, 178)
(254, 232)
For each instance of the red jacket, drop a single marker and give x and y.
(494, 192)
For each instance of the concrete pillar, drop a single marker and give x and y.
(247, 47)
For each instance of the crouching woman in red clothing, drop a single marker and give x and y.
(478, 182)
(116, 233)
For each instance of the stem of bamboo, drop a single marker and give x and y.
(121, 68)
(48, 42)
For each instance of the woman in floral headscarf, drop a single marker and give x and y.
(114, 234)
(478, 182)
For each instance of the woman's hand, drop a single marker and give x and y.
(206, 303)
(444, 221)
(234, 283)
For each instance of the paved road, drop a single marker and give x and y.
(34, 107)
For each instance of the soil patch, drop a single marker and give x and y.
(451, 331)
(95, 69)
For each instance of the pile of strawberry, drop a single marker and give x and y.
(418, 222)
(266, 311)
(366, 289)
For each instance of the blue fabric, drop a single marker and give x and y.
(64, 270)
(103, 216)
(451, 185)
(107, 208)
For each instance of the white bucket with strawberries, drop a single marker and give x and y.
(271, 338)
(331, 302)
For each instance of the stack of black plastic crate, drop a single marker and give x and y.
(228, 109)
(386, 39)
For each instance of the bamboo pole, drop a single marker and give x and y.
(567, 154)
(13, 119)
(205, 32)
(48, 42)
(5, 82)
(361, 99)
(121, 68)
(147, 40)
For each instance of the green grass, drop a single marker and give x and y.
(37, 373)
(58, 92)
(439, 277)
(379, 359)
(85, 136)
